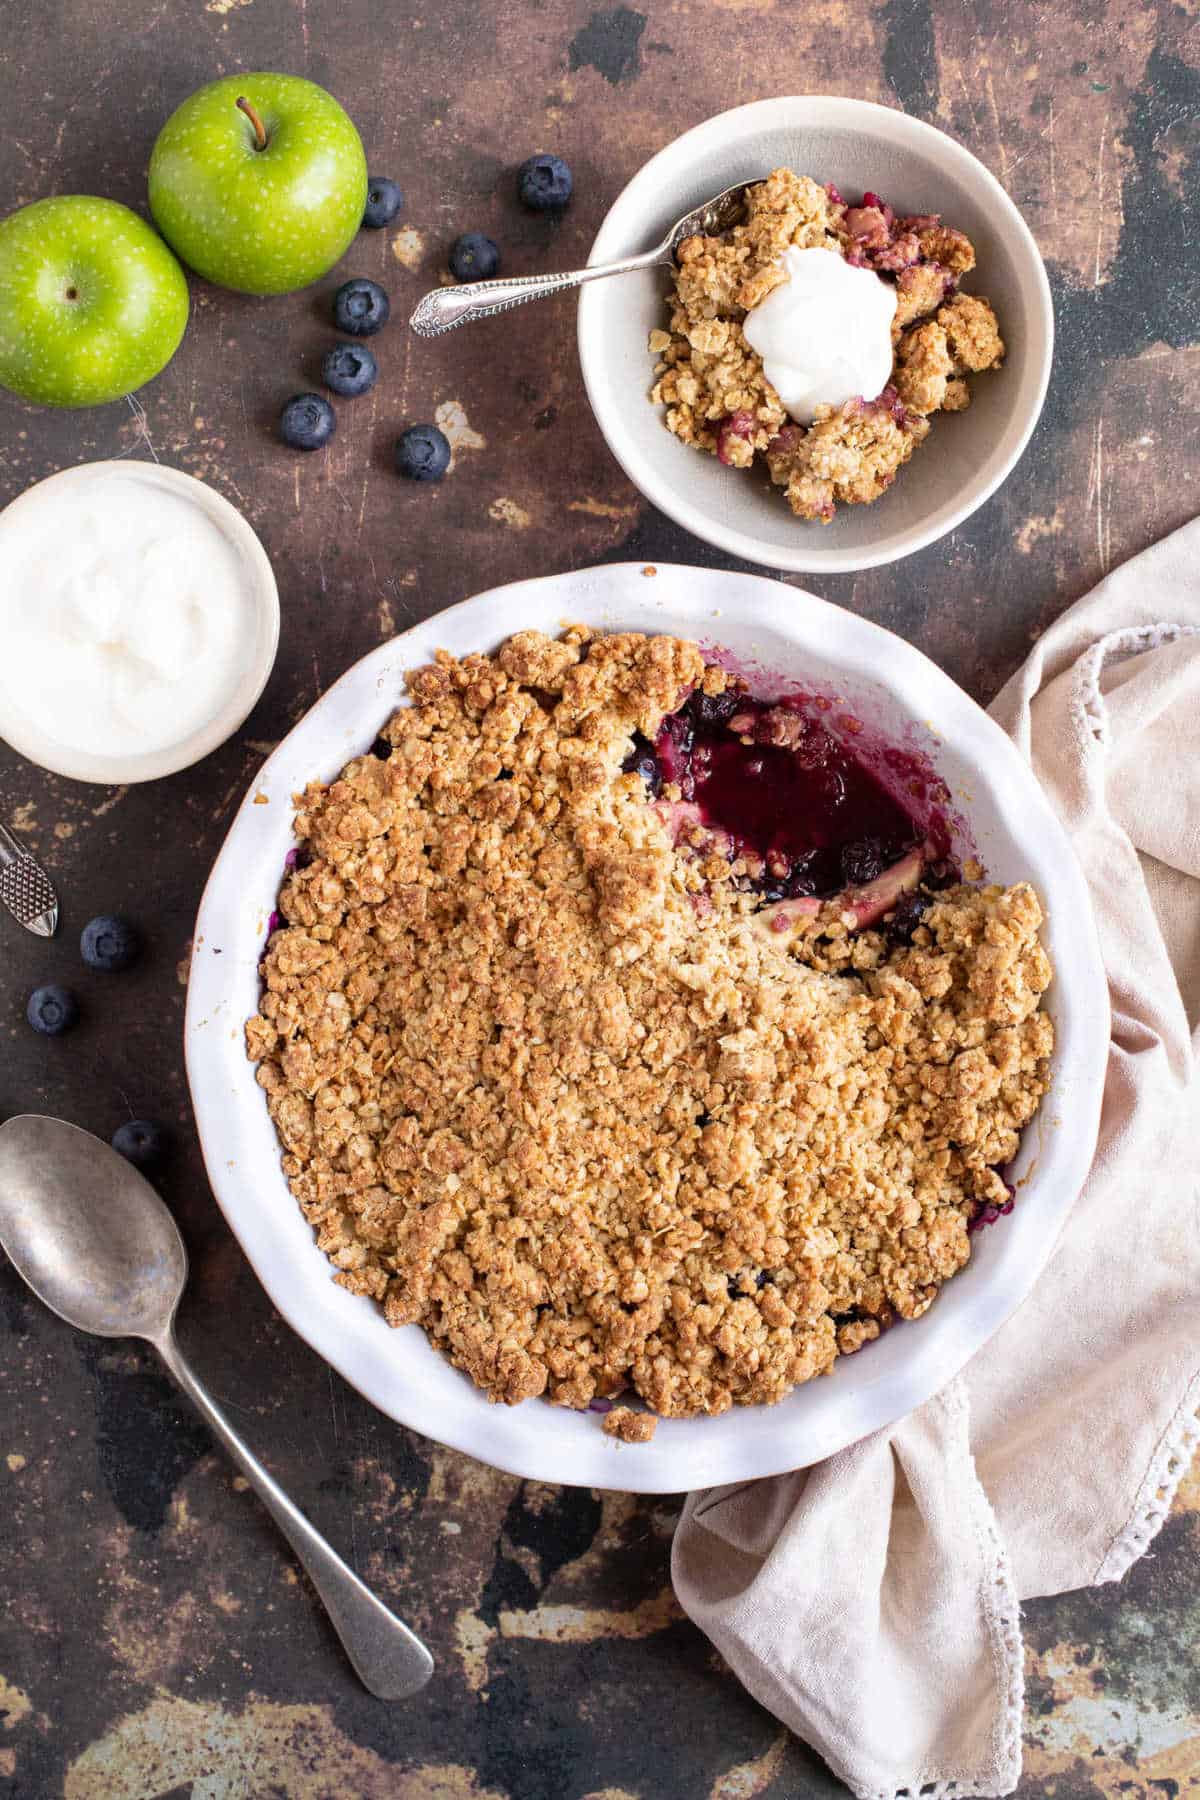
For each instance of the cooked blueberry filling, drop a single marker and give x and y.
(806, 815)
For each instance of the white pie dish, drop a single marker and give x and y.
(792, 635)
(857, 145)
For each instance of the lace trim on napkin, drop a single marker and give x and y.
(1002, 1618)
(1182, 1437)
(1118, 646)
(1169, 1465)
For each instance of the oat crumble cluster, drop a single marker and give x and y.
(546, 1086)
(714, 387)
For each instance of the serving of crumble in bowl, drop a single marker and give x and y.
(646, 982)
(876, 253)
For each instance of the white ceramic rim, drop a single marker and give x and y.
(349, 1331)
(80, 765)
(621, 234)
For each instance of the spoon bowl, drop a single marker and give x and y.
(86, 1231)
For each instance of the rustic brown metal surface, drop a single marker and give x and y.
(154, 1638)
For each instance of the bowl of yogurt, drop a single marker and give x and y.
(139, 617)
(824, 334)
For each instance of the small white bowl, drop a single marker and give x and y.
(792, 637)
(28, 736)
(857, 145)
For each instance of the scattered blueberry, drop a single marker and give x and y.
(544, 183)
(384, 200)
(141, 1142)
(349, 370)
(422, 453)
(307, 422)
(110, 943)
(474, 257)
(360, 308)
(52, 1010)
(381, 749)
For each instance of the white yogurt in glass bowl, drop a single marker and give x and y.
(139, 618)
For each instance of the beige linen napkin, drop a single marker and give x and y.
(872, 1602)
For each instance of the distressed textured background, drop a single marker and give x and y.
(154, 1638)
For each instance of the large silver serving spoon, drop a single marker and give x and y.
(445, 307)
(95, 1242)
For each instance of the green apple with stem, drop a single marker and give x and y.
(259, 182)
(92, 302)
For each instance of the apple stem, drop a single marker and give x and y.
(251, 112)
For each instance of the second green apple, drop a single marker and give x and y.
(258, 182)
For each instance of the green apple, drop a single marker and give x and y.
(259, 182)
(92, 303)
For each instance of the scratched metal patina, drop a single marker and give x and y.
(155, 1640)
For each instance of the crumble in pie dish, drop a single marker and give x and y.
(634, 1037)
(713, 384)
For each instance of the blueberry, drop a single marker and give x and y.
(795, 884)
(52, 1010)
(733, 1283)
(307, 422)
(642, 761)
(474, 257)
(905, 916)
(110, 943)
(422, 453)
(544, 183)
(141, 1142)
(681, 731)
(360, 308)
(349, 369)
(713, 709)
(862, 861)
(384, 200)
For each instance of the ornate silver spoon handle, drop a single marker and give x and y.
(444, 308)
(25, 887)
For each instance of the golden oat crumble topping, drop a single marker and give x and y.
(714, 387)
(549, 1086)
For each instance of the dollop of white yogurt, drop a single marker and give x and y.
(825, 334)
(125, 615)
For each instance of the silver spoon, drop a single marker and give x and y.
(95, 1242)
(445, 307)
